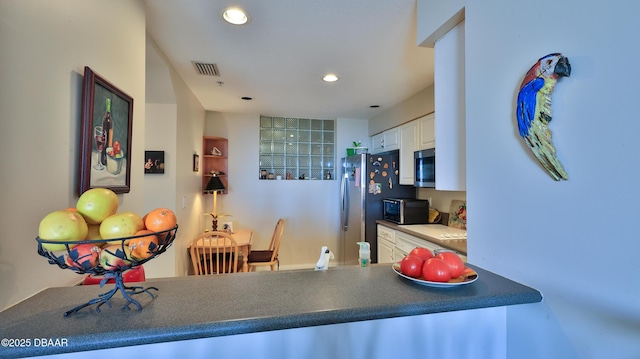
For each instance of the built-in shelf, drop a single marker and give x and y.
(217, 163)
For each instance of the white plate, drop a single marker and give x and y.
(396, 269)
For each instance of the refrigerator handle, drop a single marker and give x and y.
(344, 199)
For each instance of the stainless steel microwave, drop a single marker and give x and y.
(406, 210)
(425, 168)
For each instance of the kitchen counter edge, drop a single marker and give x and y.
(199, 307)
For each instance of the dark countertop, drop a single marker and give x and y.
(458, 245)
(198, 307)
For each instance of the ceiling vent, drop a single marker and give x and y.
(206, 69)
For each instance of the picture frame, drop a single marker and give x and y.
(154, 162)
(105, 156)
(196, 163)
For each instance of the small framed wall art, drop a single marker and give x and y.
(196, 162)
(154, 162)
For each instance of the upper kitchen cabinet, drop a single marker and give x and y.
(426, 132)
(449, 96)
(388, 140)
(408, 145)
(392, 139)
(377, 143)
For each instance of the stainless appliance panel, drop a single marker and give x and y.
(425, 168)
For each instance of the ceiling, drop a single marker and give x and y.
(281, 55)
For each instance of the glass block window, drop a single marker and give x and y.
(297, 148)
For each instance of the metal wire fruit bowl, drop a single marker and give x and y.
(118, 261)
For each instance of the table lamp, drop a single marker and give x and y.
(214, 185)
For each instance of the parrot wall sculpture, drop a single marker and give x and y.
(533, 110)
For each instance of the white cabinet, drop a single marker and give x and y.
(426, 132)
(386, 244)
(392, 139)
(406, 242)
(377, 143)
(449, 97)
(386, 141)
(408, 145)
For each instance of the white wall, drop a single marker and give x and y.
(575, 240)
(44, 48)
(160, 189)
(417, 105)
(175, 124)
(310, 208)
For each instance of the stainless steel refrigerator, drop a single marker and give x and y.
(366, 180)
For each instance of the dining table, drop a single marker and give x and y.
(243, 239)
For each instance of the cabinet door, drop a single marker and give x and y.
(406, 242)
(408, 145)
(391, 139)
(427, 132)
(377, 143)
(385, 251)
(386, 233)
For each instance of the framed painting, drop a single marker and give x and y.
(105, 135)
(196, 163)
(154, 162)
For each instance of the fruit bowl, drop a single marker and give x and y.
(87, 257)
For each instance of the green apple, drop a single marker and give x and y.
(62, 226)
(96, 204)
(119, 225)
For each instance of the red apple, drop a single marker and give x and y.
(84, 256)
(113, 257)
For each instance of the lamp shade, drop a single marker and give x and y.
(215, 184)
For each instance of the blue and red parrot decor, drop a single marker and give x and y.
(533, 110)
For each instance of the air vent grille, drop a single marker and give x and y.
(206, 69)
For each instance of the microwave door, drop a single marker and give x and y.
(425, 168)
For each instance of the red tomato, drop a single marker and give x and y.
(436, 270)
(453, 260)
(422, 253)
(411, 266)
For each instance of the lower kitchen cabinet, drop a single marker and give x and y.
(386, 244)
(406, 242)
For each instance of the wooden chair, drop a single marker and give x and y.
(268, 257)
(214, 253)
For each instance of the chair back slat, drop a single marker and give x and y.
(276, 239)
(214, 253)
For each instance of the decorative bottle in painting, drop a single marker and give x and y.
(107, 128)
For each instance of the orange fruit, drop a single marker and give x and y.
(160, 219)
(143, 247)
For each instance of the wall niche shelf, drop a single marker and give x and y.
(215, 160)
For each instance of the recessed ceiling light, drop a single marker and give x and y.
(235, 15)
(330, 78)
